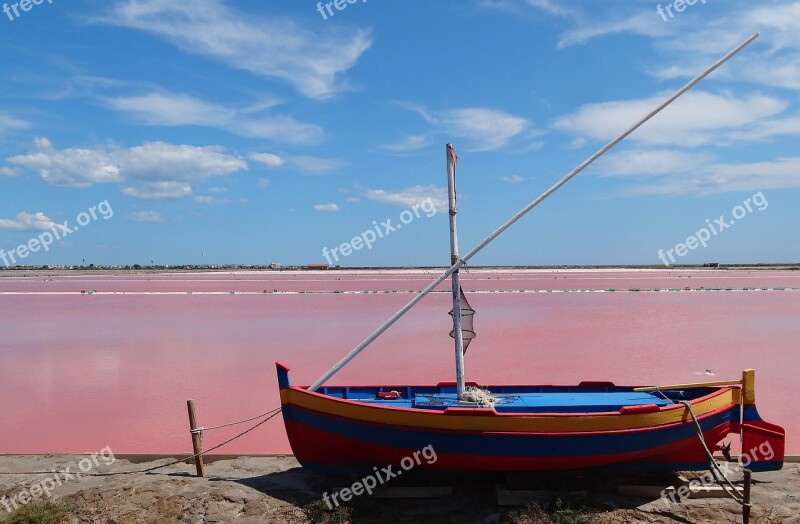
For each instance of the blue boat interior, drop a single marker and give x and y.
(523, 399)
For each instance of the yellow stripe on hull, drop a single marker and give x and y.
(506, 422)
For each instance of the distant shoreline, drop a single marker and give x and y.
(320, 267)
(234, 268)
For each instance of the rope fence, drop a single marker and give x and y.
(269, 416)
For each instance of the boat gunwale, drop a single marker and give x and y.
(304, 389)
(491, 413)
(595, 432)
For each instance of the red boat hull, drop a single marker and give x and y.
(335, 434)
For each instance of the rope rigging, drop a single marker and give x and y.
(269, 416)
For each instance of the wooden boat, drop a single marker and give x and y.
(529, 428)
(523, 428)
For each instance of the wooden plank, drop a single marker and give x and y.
(711, 492)
(691, 386)
(698, 491)
(520, 497)
(408, 492)
(645, 492)
(421, 492)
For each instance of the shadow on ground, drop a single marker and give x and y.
(559, 497)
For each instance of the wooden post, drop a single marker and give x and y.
(197, 444)
(746, 507)
(749, 386)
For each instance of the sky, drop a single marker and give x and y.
(259, 131)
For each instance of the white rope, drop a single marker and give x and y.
(712, 462)
(209, 428)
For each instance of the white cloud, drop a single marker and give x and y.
(208, 199)
(698, 118)
(770, 129)
(308, 164)
(682, 50)
(159, 161)
(774, 174)
(166, 170)
(25, 221)
(171, 109)
(584, 25)
(410, 196)
(263, 182)
(651, 162)
(315, 165)
(692, 40)
(781, 173)
(218, 190)
(409, 143)
(664, 171)
(268, 159)
(145, 216)
(550, 7)
(780, 22)
(69, 167)
(159, 190)
(780, 69)
(71, 87)
(512, 179)
(773, 60)
(10, 123)
(272, 47)
(644, 23)
(326, 208)
(174, 109)
(9, 171)
(772, 71)
(485, 128)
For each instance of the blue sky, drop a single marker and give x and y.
(258, 130)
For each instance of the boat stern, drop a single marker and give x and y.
(763, 443)
(283, 375)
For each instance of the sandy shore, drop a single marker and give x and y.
(276, 489)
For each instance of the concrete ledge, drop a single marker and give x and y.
(138, 458)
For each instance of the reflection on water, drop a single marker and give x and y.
(79, 372)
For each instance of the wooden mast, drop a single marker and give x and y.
(456, 276)
(511, 221)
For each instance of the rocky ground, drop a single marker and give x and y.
(258, 489)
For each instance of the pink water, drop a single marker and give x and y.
(81, 371)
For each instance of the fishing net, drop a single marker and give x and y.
(467, 314)
(480, 396)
